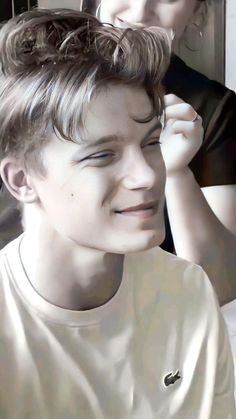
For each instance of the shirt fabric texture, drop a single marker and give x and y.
(229, 314)
(111, 362)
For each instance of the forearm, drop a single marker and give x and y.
(198, 234)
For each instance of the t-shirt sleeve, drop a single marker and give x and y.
(223, 401)
(215, 163)
(229, 314)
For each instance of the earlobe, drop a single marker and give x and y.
(17, 180)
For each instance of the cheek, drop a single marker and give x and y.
(110, 9)
(182, 17)
(158, 165)
(170, 19)
(175, 16)
(162, 178)
(95, 187)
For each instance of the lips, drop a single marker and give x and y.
(142, 210)
(140, 207)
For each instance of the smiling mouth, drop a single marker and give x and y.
(142, 211)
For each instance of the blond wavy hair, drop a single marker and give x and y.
(53, 62)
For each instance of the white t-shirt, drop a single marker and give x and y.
(158, 349)
(229, 314)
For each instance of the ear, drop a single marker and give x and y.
(17, 180)
(201, 11)
(198, 6)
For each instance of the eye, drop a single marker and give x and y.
(101, 157)
(153, 142)
(168, 1)
(98, 156)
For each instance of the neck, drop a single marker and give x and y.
(68, 275)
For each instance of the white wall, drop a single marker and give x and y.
(230, 80)
(70, 4)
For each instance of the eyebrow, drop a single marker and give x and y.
(114, 138)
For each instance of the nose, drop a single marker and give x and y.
(138, 173)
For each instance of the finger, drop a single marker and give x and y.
(187, 128)
(181, 111)
(172, 99)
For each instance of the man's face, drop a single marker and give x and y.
(107, 191)
(169, 14)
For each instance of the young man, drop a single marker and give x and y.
(96, 321)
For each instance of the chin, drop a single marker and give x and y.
(145, 240)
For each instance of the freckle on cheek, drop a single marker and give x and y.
(72, 194)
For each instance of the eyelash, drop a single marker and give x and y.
(98, 156)
(154, 142)
(103, 155)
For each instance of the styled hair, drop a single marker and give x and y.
(54, 61)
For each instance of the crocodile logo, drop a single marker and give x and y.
(171, 378)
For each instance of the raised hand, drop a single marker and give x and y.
(182, 135)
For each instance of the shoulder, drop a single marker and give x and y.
(229, 314)
(197, 89)
(174, 282)
(8, 262)
(181, 76)
(214, 164)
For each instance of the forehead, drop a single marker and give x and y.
(115, 109)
